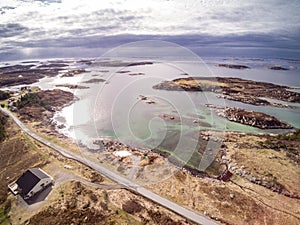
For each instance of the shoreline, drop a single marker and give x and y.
(56, 126)
(261, 164)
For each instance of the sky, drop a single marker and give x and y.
(74, 28)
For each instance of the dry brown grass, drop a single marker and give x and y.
(240, 201)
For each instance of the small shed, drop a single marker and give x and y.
(31, 182)
(226, 175)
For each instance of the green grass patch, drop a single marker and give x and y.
(30, 99)
(3, 120)
(291, 137)
(4, 95)
(32, 146)
(4, 218)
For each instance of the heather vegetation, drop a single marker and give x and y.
(3, 121)
(4, 95)
(30, 99)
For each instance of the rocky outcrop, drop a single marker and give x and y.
(268, 181)
(278, 68)
(146, 99)
(72, 86)
(121, 63)
(234, 66)
(25, 74)
(30, 73)
(136, 74)
(74, 72)
(50, 101)
(236, 89)
(94, 80)
(251, 118)
(185, 120)
(181, 84)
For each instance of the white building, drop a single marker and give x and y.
(31, 182)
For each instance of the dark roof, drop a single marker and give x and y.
(39, 173)
(29, 179)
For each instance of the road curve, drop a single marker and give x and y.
(188, 214)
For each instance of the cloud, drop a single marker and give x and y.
(43, 1)
(87, 24)
(11, 29)
(4, 9)
(204, 45)
(50, 1)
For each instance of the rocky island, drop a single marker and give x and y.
(233, 66)
(25, 74)
(74, 72)
(236, 89)
(94, 80)
(251, 118)
(12, 75)
(72, 86)
(40, 105)
(278, 68)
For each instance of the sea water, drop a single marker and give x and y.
(114, 108)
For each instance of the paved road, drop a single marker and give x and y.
(117, 178)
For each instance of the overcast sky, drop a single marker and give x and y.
(33, 28)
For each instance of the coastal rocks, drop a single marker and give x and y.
(254, 119)
(169, 117)
(49, 102)
(104, 143)
(136, 74)
(123, 71)
(94, 80)
(127, 156)
(142, 97)
(53, 65)
(122, 63)
(150, 101)
(57, 98)
(74, 72)
(85, 61)
(233, 66)
(235, 89)
(213, 136)
(248, 99)
(72, 86)
(184, 84)
(262, 165)
(146, 99)
(267, 180)
(278, 68)
(250, 118)
(185, 120)
(25, 74)
(246, 89)
(253, 100)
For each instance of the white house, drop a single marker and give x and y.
(31, 182)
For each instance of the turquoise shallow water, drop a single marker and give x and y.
(126, 107)
(115, 109)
